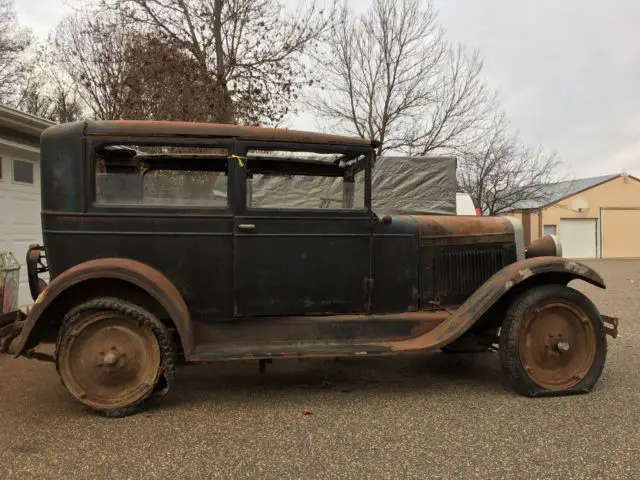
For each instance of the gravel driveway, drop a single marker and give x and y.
(437, 416)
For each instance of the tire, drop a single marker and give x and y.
(552, 342)
(112, 355)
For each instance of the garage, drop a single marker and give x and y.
(579, 237)
(620, 232)
(597, 217)
(20, 187)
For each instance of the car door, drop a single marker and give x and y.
(296, 253)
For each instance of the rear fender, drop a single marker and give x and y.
(562, 270)
(155, 283)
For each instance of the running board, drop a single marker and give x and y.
(211, 352)
(311, 336)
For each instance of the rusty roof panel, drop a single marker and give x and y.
(150, 128)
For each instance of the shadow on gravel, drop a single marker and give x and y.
(231, 382)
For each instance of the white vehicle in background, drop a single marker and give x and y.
(465, 205)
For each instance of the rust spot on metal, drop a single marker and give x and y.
(434, 229)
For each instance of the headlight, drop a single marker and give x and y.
(547, 246)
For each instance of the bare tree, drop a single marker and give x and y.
(249, 52)
(14, 40)
(92, 51)
(390, 74)
(47, 91)
(50, 98)
(501, 173)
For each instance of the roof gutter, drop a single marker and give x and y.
(23, 122)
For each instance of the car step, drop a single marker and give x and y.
(217, 352)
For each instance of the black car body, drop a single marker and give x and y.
(160, 221)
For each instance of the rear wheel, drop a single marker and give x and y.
(112, 355)
(552, 342)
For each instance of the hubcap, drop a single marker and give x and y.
(108, 360)
(557, 345)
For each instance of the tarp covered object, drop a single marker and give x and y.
(399, 185)
(414, 185)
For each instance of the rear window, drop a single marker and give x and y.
(169, 176)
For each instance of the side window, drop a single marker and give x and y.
(300, 180)
(22, 171)
(161, 176)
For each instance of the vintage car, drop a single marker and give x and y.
(169, 242)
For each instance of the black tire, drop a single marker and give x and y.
(145, 319)
(526, 379)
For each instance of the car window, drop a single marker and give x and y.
(292, 180)
(161, 176)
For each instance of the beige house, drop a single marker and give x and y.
(595, 217)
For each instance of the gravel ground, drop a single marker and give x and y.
(437, 416)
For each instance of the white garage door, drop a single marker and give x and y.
(578, 236)
(20, 213)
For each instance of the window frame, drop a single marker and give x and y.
(13, 171)
(92, 205)
(244, 147)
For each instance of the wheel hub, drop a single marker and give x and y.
(557, 345)
(562, 347)
(109, 360)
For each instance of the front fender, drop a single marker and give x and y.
(491, 292)
(155, 283)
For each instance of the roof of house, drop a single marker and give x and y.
(557, 191)
(22, 122)
(25, 122)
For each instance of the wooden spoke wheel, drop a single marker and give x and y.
(553, 341)
(108, 359)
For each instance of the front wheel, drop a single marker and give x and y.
(552, 342)
(112, 355)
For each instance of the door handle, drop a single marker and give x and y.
(246, 226)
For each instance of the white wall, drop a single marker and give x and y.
(19, 210)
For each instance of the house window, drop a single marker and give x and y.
(22, 171)
(550, 230)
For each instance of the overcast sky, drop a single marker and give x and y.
(567, 71)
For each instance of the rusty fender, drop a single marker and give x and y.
(490, 292)
(155, 283)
